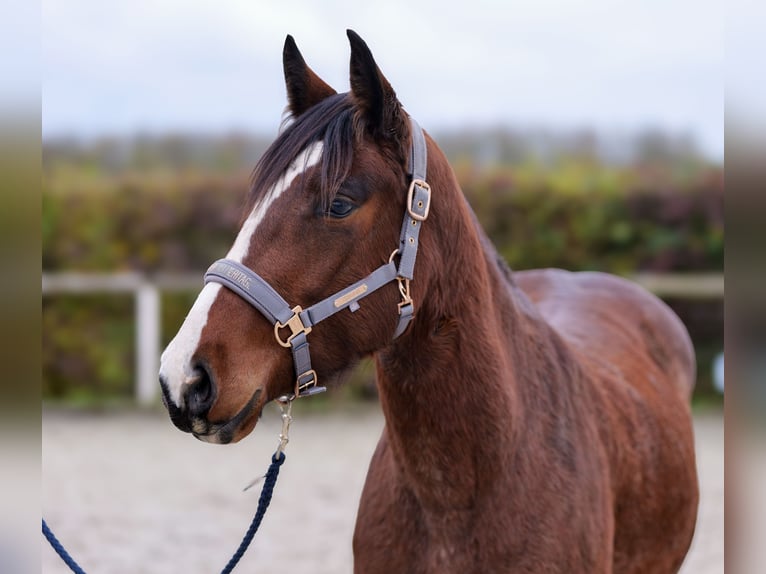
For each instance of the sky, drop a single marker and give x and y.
(121, 67)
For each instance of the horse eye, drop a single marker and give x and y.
(340, 208)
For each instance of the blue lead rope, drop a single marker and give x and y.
(61, 551)
(263, 504)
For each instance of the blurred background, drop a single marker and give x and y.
(586, 136)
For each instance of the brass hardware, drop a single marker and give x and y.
(412, 240)
(312, 383)
(411, 195)
(286, 407)
(404, 291)
(394, 253)
(340, 301)
(295, 324)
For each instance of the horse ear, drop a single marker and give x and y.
(372, 93)
(304, 87)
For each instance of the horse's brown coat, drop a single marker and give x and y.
(535, 422)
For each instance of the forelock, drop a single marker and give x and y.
(330, 121)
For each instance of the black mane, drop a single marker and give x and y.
(330, 121)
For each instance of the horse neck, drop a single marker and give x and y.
(447, 386)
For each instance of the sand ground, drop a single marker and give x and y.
(129, 494)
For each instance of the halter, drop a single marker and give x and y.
(257, 291)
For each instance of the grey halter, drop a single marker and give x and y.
(256, 291)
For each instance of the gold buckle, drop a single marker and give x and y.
(411, 195)
(295, 324)
(299, 388)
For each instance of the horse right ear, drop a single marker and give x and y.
(304, 88)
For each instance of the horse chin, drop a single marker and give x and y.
(236, 428)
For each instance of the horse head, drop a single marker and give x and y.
(324, 211)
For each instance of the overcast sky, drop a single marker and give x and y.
(182, 65)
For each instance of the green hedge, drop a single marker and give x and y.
(572, 217)
(575, 216)
(600, 219)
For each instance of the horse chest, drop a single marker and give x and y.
(506, 529)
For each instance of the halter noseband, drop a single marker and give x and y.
(256, 290)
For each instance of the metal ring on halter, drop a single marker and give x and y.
(404, 285)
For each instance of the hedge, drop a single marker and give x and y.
(575, 216)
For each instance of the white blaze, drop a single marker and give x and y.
(175, 364)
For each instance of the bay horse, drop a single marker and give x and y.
(536, 421)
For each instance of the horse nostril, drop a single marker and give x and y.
(200, 393)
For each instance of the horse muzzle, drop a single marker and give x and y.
(197, 399)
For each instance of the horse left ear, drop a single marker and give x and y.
(304, 88)
(380, 108)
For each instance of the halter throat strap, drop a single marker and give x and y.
(293, 324)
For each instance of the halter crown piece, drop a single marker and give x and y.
(257, 291)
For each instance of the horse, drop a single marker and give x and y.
(535, 421)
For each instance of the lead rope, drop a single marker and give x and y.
(270, 480)
(60, 550)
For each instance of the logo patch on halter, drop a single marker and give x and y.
(350, 296)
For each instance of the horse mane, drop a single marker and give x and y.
(331, 121)
(489, 248)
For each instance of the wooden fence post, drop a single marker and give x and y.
(147, 343)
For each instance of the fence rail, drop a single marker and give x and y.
(146, 290)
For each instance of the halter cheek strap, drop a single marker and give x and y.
(292, 325)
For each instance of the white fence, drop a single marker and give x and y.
(146, 291)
